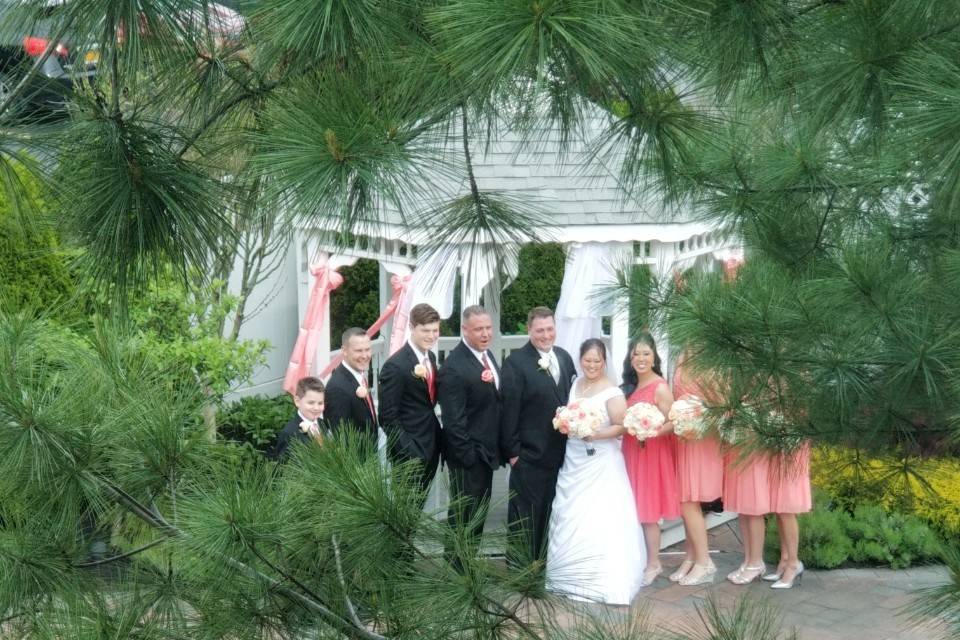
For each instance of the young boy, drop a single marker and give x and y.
(308, 423)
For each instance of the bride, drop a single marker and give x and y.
(595, 550)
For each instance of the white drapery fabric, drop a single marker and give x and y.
(590, 267)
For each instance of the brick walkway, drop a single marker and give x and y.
(845, 604)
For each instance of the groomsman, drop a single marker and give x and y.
(536, 380)
(469, 389)
(349, 398)
(307, 423)
(408, 396)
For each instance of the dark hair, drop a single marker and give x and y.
(423, 314)
(629, 375)
(539, 312)
(473, 310)
(309, 383)
(594, 343)
(351, 333)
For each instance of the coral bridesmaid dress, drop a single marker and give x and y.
(790, 482)
(652, 468)
(699, 462)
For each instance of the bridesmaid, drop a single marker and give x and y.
(789, 495)
(746, 490)
(700, 469)
(652, 466)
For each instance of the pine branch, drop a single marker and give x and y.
(127, 554)
(474, 190)
(156, 520)
(343, 582)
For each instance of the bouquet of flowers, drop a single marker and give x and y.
(686, 414)
(642, 420)
(578, 421)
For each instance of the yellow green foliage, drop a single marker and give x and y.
(928, 488)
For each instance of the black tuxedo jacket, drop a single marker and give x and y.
(530, 400)
(470, 409)
(406, 413)
(343, 407)
(291, 434)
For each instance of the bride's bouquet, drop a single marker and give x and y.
(578, 421)
(686, 414)
(642, 421)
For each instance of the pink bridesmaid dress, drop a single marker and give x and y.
(652, 468)
(790, 482)
(699, 462)
(746, 483)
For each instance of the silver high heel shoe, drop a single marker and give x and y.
(797, 578)
(773, 576)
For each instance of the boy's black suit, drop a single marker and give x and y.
(343, 407)
(470, 409)
(291, 434)
(407, 413)
(530, 400)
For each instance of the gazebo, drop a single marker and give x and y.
(600, 229)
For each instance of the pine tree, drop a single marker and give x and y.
(824, 133)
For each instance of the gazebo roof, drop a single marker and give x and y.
(579, 193)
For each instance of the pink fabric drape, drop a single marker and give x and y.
(402, 316)
(399, 284)
(326, 279)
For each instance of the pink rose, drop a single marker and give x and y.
(487, 376)
(362, 392)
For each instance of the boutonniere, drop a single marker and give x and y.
(420, 371)
(487, 376)
(544, 364)
(305, 426)
(362, 392)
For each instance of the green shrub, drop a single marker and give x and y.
(537, 284)
(890, 539)
(830, 537)
(823, 538)
(355, 303)
(255, 420)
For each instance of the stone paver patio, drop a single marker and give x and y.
(844, 604)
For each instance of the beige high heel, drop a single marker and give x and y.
(749, 574)
(649, 575)
(704, 576)
(683, 570)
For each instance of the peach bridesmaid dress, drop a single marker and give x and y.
(699, 462)
(790, 482)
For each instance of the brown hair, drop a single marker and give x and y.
(539, 312)
(310, 383)
(350, 333)
(423, 314)
(473, 310)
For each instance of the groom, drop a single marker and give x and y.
(536, 380)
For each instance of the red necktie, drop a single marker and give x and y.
(369, 397)
(431, 383)
(486, 366)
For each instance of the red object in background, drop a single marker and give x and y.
(35, 46)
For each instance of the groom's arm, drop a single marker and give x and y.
(513, 386)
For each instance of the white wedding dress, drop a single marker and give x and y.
(595, 550)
